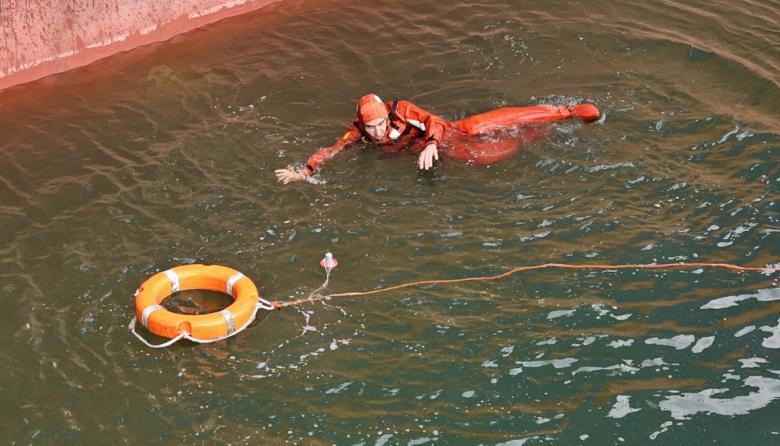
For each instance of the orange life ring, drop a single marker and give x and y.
(216, 325)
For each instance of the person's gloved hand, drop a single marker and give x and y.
(428, 156)
(290, 174)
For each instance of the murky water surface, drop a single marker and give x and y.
(165, 155)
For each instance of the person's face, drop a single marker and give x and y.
(376, 128)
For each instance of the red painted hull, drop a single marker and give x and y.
(42, 37)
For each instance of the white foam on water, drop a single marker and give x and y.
(557, 363)
(680, 342)
(685, 405)
(381, 441)
(624, 368)
(702, 344)
(621, 408)
(774, 340)
(762, 295)
(559, 313)
(752, 363)
(516, 442)
(621, 343)
(338, 389)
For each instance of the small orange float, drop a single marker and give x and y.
(203, 327)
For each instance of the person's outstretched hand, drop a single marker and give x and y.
(290, 174)
(428, 156)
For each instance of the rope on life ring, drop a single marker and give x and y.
(201, 328)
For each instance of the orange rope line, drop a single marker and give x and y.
(279, 305)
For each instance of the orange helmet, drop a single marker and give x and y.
(370, 107)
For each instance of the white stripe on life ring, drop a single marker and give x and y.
(148, 312)
(174, 278)
(230, 320)
(232, 281)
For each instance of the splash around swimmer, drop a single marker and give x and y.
(400, 126)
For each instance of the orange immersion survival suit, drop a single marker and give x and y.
(411, 128)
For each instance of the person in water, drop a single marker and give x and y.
(402, 126)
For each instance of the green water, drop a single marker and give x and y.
(165, 155)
